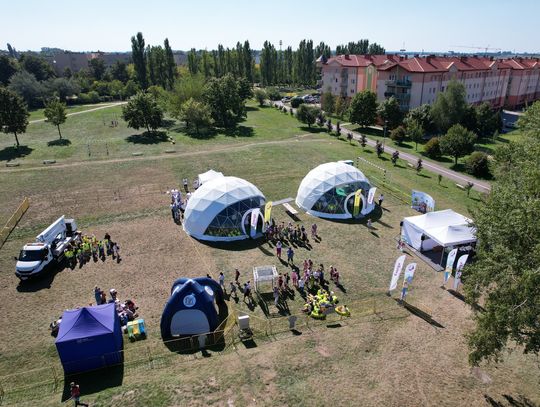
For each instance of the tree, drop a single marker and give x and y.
(97, 68)
(530, 121)
(185, 88)
(487, 120)
(421, 114)
(307, 114)
(13, 113)
(390, 112)
(245, 90)
(62, 87)
(505, 273)
(477, 164)
(433, 148)
(55, 112)
(223, 98)
(328, 102)
(26, 86)
(363, 108)
(8, 67)
(143, 111)
(398, 135)
(196, 114)
(376, 49)
(119, 71)
(450, 106)
(260, 95)
(457, 142)
(170, 65)
(36, 66)
(341, 106)
(138, 55)
(379, 148)
(415, 132)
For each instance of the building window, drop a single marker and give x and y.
(352, 90)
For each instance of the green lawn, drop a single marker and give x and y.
(38, 114)
(486, 145)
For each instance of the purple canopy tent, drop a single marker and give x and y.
(89, 338)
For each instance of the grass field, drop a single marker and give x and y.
(38, 114)
(395, 359)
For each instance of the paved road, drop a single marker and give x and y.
(457, 177)
(84, 111)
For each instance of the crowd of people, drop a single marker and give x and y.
(293, 233)
(178, 204)
(86, 247)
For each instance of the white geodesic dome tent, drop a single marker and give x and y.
(220, 209)
(327, 191)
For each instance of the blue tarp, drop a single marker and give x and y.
(89, 338)
(190, 310)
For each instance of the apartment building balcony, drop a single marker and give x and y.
(399, 83)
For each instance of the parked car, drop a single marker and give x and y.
(286, 99)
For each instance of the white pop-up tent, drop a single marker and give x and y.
(442, 228)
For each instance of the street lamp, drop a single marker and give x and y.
(384, 134)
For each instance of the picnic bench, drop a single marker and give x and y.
(461, 186)
(290, 209)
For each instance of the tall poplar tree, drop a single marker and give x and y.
(138, 55)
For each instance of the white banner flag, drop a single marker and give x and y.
(371, 195)
(398, 266)
(449, 265)
(460, 263)
(254, 219)
(407, 279)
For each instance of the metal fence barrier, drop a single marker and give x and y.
(13, 220)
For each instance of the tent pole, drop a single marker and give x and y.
(442, 257)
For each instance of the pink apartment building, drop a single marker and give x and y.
(417, 80)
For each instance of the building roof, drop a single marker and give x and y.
(360, 61)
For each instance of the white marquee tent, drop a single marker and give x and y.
(328, 191)
(442, 228)
(218, 209)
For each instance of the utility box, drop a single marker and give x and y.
(243, 322)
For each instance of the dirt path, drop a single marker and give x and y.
(84, 111)
(295, 139)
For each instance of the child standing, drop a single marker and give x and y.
(278, 249)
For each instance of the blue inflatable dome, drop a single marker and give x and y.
(191, 310)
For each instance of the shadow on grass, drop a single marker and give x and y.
(153, 137)
(441, 159)
(520, 401)
(423, 175)
(239, 131)
(374, 215)
(40, 282)
(168, 123)
(236, 246)
(95, 381)
(59, 142)
(11, 153)
(313, 129)
(404, 146)
(419, 313)
(252, 108)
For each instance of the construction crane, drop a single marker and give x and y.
(473, 47)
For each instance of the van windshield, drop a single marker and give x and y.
(33, 255)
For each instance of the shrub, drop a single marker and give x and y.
(478, 165)
(273, 94)
(398, 134)
(295, 102)
(433, 148)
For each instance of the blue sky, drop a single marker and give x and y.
(419, 24)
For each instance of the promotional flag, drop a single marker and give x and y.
(422, 202)
(254, 219)
(267, 211)
(449, 265)
(371, 195)
(357, 196)
(398, 266)
(407, 279)
(460, 263)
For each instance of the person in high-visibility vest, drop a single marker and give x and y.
(70, 257)
(101, 249)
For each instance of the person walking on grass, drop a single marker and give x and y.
(381, 199)
(314, 231)
(236, 275)
(278, 249)
(76, 394)
(232, 288)
(116, 252)
(276, 296)
(290, 255)
(221, 280)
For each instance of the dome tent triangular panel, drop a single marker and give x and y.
(325, 190)
(220, 197)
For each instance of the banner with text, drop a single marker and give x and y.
(254, 219)
(407, 279)
(449, 265)
(422, 202)
(371, 195)
(460, 263)
(398, 266)
(357, 198)
(267, 211)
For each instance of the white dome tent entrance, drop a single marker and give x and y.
(328, 190)
(220, 210)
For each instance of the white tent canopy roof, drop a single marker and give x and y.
(209, 175)
(325, 177)
(446, 228)
(211, 198)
